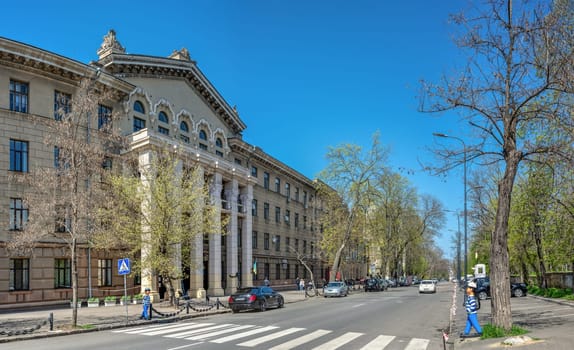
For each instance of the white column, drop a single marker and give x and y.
(215, 288)
(232, 191)
(247, 244)
(196, 271)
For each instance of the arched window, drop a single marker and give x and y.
(184, 130)
(138, 107)
(163, 118)
(202, 135)
(218, 142)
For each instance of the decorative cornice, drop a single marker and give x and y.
(128, 65)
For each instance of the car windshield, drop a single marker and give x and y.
(426, 282)
(334, 284)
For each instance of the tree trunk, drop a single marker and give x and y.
(499, 257)
(74, 268)
(540, 256)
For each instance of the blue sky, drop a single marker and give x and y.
(322, 73)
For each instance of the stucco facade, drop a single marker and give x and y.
(271, 209)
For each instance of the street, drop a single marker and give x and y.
(397, 319)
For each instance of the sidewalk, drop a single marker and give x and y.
(35, 323)
(544, 336)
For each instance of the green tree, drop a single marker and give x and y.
(346, 191)
(155, 213)
(516, 84)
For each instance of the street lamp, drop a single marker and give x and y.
(465, 213)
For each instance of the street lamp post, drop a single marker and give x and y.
(465, 212)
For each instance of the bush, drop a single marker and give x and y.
(111, 298)
(93, 300)
(126, 297)
(138, 297)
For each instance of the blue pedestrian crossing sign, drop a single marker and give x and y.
(124, 266)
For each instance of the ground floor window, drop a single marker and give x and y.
(62, 273)
(105, 272)
(19, 274)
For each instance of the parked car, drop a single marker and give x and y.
(255, 298)
(427, 286)
(372, 285)
(482, 290)
(335, 289)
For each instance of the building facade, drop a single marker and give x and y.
(271, 210)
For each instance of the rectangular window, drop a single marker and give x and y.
(297, 194)
(62, 104)
(219, 153)
(184, 138)
(277, 185)
(278, 271)
(287, 271)
(19, 156)
(254, 207)
(277, 241)
(19, 274)
(287, 216)
(297, 244)
(288, 190)
(296, 219)
(19, 96)
(139, 124)
(287, 243)
(237, 161)
(104, 117)
(266, 211)
(266, 180)
(62, 273)
(304, 247)
(201, 145)
(305, 198)
(254, 171)
(266, 241)
(277, 214)
(104, 272)
(254, 239)
(18, 214)
(304, 221)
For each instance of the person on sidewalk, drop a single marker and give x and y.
(471, 306)
(146, 302)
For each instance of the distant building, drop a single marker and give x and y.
(271, 208)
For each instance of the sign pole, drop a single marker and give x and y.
(126, 298)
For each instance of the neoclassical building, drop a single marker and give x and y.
(271, 210)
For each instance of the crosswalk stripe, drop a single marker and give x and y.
(153, 328)
(223, 331)
(243, 334)
(178, 329)
(197, 331)
(417, 344)
(301, 340)
(379, 342)
(339, 341)
(270, 337)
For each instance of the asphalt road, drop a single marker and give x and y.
(396, 319)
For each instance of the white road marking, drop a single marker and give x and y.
(301, 340)
(339, 341)
(243, 334)
(379, 342)
(417, 344)
(270, 337)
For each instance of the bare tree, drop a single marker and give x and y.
(517, 85)
(63, 197)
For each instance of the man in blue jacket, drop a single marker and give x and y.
(146, 302)
(471, 306)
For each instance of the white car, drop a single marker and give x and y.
(427, 286)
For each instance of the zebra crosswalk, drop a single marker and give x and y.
(272, 337)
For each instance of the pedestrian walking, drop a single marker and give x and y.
(302, 284)
(297, 283)
(146, 302)
(471, 305)
(266, 281)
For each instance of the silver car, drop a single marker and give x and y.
(335, 289)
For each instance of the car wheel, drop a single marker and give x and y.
(482, 295)
(234, 311)
(518, 292)
(263, 306)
